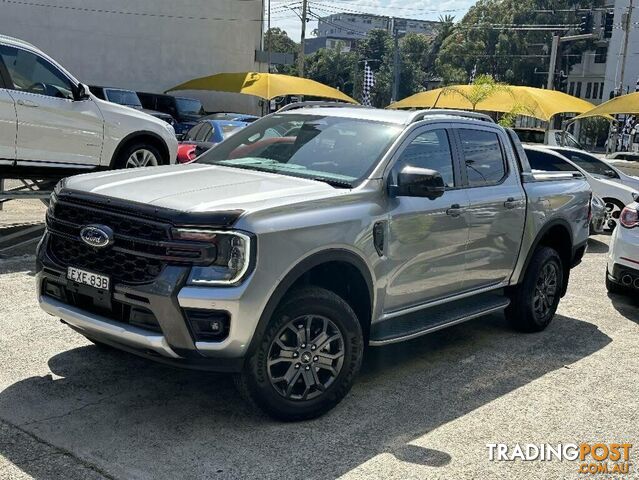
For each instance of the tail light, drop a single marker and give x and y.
(629, 217)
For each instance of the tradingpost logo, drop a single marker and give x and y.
(591, 458)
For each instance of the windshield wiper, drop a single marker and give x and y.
(333, 182)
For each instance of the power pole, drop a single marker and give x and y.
(553, 62)
(627, 23)
(395, 31)
(300, 60)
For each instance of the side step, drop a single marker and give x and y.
(435, 318)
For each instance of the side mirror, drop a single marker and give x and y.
(610, 173)
(418, 182)
(81, 92)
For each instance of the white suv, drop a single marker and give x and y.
(50, 122)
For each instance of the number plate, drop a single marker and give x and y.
(88, 278)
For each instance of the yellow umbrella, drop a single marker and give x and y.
(618, 105)
(263, 85)
(534, 102)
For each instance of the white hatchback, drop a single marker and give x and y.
(622, 271)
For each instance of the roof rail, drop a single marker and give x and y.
(318, 104)
(421, 114)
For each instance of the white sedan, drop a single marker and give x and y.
(615, 192)
(622, 271)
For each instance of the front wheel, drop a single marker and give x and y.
(138, 155)
(307, 359)
(534, 301)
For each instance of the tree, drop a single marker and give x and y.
(482, 88)
(279, 42)
(333, 67)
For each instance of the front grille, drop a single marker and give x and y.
(120, 266)
(142, 246)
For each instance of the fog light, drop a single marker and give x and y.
(208, 325)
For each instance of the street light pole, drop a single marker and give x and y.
(624, 54)
(300, 60)
(395, 31)
(553, 62)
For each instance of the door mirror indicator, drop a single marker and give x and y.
(418, 182)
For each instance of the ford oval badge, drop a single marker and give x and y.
(98, 236)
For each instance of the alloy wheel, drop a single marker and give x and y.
(545, 291)
(305, 357)
(142, 158)
(613, 212)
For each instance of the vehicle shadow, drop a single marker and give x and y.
(25, 263)
(133, 418)
(626, 305)
(597, 246)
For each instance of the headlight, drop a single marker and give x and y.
(169, 127)
(232, 259)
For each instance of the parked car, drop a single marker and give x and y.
(128, 98)
(237, 117)
(186, 111)
(52, 124)
(555, 138)
(205, 135)
(622, 270)
(615, 195)
(364, 227)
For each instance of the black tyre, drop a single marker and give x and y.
(614, 287)
(138, 155)
(307, 359)
(534, 301)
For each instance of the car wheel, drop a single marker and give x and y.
(613, 212)
(613, 287)
(307, 358)
(138, 155)
(534, 301)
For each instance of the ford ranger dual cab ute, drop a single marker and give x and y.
(284, 251)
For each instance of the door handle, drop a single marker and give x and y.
(27, 103)
(512, 203)
(455, 210)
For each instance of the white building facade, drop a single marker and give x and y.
(616, 64)
(147, 45)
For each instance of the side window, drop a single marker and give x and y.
(192, 133)
(31, 73)
(430, 150)
(547, 162)
(166, 105)
(483, 156)
(204, 134)
(590, 164)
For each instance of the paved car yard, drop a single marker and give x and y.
(424, 409)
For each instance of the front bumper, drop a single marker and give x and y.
(169, 338)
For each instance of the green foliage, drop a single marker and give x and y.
(482, 88)
(279, 42)
(332, 67)
(594, 131)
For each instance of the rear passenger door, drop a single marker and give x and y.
(497, 206)
(427, 238)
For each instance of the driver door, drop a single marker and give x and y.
(53, 129)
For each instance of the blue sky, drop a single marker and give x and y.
(283, 17)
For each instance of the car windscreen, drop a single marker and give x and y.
(531, 136)
(590, 164)
(123, 97)
(340, 151)
(189, 106)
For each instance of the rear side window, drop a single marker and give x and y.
(191, 134)
(204, 134)
(483, 156)
(590, 164)
(547, 162)
(430, 150)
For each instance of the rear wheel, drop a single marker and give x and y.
(534, 301)
(138, 155)
(308, 356)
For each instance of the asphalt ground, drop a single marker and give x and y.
(425, 409)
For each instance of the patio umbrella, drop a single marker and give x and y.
(263, 85)
(534, 102)
(618, 105)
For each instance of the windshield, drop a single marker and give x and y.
(340, 151)
(189, 106)
(123, 97)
